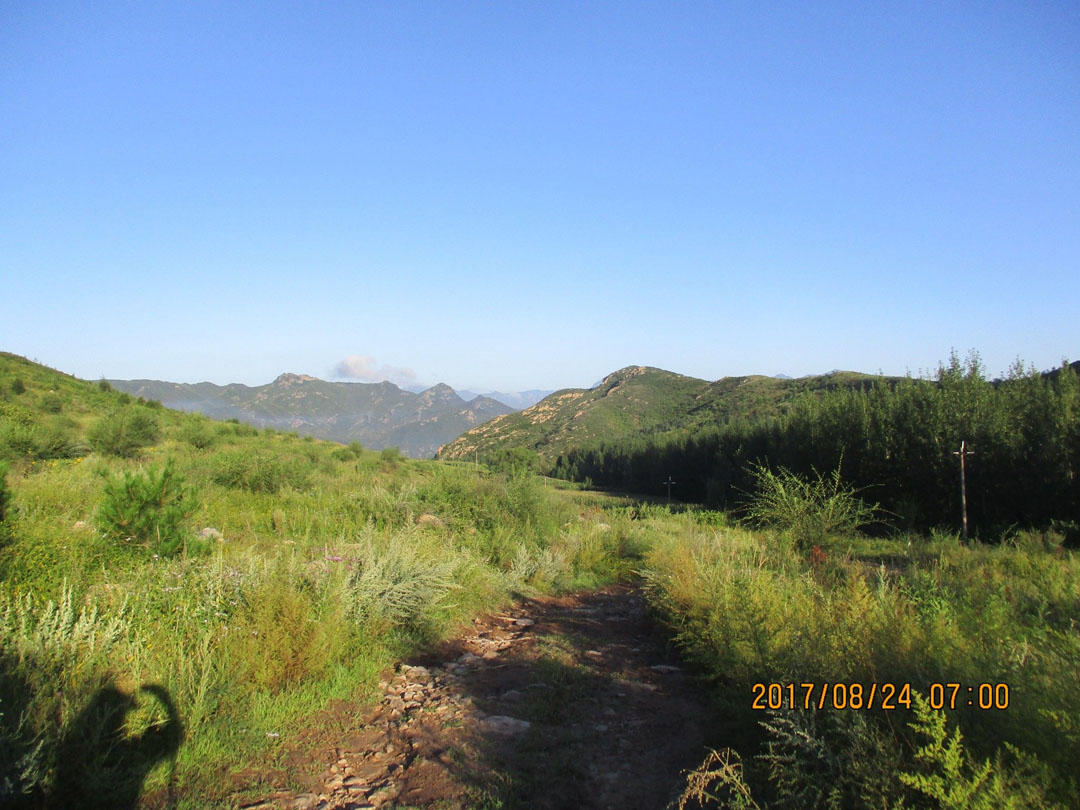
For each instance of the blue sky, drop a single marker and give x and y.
(531, 195)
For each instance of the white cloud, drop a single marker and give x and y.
(362, 367)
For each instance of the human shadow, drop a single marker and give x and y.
(100, 766)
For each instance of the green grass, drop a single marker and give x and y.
(331, 564)
(748, 608)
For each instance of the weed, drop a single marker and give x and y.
(811, 509)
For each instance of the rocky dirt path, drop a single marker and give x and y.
(561, 702)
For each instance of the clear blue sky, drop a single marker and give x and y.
(521, 195)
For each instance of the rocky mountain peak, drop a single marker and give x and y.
(294, 379)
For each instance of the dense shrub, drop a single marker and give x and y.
(124, 432)
(810, 509)
(258, 472)
(198, 432)
(147, 508)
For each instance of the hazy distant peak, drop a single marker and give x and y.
(440, 388)
(294, 379)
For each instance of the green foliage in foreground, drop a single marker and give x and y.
(748, 608)
(331, 565)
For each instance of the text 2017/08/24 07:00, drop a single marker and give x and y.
(885, 696)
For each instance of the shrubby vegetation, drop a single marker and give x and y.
(895, 439)
(333, 562)
(124, 432)
(749, 608)
(148, 509)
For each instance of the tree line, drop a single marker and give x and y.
(896, 438)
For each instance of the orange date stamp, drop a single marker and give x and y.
(885, 696)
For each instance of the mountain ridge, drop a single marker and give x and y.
(634, 401)
(378, 415)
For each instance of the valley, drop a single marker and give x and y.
(207, 614)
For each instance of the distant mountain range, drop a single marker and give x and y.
(636, 401)
(377, 415)
(516, 400)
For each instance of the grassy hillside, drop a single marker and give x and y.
(637, 401)
(377, 415)
(161, 570)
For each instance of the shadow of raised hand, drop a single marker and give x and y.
(99, 765)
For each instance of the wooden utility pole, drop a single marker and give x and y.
(669, 483)
(962, 452)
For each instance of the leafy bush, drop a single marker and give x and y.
(124, 432)
(147, 508)
(198, 432)
(952, 780)
(398, 583)
(258, 472)
(810, 509)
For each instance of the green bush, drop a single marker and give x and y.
(52, 403)
(258, 472)
(198, 432)
(810, 509)
(280, 640)
(148, 509)
(124, 432)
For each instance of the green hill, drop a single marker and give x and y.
(636, 401)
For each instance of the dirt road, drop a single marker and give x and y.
(561, 702)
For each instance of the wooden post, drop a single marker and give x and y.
(669, 483)
(963, 451)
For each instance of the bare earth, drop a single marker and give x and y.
(562, 702)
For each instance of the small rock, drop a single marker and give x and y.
(503, 725)
(524, 622)
(382, 796)
(210, 533)
(665, 668)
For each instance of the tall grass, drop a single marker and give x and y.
(750, 609)
(330, 565)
